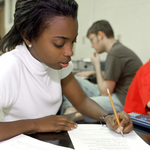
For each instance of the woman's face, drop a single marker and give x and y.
(54, 46)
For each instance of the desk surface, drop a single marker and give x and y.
(63, 139)
(144, 133)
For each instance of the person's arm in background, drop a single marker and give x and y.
(102, 84)
(148, 106)
(86, 74)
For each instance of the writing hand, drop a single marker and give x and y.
(126, 124)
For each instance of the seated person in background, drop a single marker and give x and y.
(138, 96)
(120, 68)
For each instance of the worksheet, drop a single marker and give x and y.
(98, 137)
(23, 142)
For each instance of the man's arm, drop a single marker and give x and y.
(86, 74)
(102, 84)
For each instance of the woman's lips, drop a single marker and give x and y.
(64, 64)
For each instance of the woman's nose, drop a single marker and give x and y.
(68, 52)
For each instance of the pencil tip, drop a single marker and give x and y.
(122, 134)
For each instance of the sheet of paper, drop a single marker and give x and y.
(98, 137)
(23, 142)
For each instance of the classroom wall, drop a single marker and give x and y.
(9, 13)
(130, 20)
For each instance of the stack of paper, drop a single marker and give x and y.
(97, 137)
(23, 142)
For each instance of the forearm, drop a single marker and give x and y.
(91, 73)
(85, 73)
(100, 80)
(11, 129)
(91, 109)
(50, 123)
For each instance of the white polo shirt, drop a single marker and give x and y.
(28, 88)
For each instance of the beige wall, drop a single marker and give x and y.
(130, 20)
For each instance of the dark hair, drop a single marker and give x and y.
(103, 26)
(31, 17)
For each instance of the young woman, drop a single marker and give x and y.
(37, 69)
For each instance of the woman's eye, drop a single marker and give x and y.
(58, 45)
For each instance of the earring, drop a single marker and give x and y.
(29, 45)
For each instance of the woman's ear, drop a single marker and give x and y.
(28, 43)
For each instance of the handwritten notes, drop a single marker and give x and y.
(97, 137)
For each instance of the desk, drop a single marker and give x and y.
(63, 139)
(144, 133)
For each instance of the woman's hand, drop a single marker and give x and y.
(54, 123)
(126, 124)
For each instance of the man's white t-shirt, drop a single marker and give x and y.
(28, 88)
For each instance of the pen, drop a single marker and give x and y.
(114, 109)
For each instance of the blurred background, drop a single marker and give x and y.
(130, 20)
